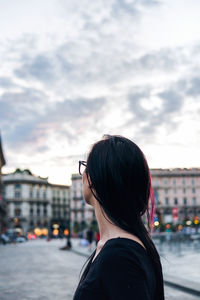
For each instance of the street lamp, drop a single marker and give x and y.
(68, 244)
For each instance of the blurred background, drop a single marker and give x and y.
(71, 71)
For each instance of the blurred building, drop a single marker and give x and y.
(30, 200)
(177, 195)
(60, 204)
(82, 214)
(2, 198)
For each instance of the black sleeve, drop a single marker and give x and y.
(123, 278)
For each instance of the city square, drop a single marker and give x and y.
(39, 270)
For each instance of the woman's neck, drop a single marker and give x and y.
(108, 230)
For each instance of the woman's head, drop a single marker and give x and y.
(117, 175)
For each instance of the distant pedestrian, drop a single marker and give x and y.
(90, 237)
(80, 235)
(125, 264)
(48, 238)
(14, 238)
(97, 237)
(4, 239)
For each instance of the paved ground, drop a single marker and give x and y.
(182, 262)
(39, 270)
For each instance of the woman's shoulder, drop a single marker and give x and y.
(123, 251)
(122, 257)
(123, 244)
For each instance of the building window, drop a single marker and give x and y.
(166, 201)
(156, 194)
(183, 181)
(175, 201)
(83, 215)
(31, 211)
(17, 194)
(156, 182)
(166, 181)
(185, 201)
(174, 191)
(194, 201)
(17, 191)
(193, 190)
(38, 212)
(184, 190)
(44, 195)
(17, 212)
(166, 191)
(45, 212)
(174, 181)
(192, 181)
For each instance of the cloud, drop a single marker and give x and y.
(122, 6)
(90, 68)
(34, 118)
(6, 82)
(152, 111)
(194, 87)
(40, 68)
(84, 57)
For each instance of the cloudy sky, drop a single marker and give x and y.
(71, 71)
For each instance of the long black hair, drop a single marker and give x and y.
(121, 182)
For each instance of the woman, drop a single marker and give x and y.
(125, 264)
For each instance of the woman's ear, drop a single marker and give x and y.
(89, 182)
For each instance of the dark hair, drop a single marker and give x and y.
(121, 182)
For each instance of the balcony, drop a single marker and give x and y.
(76, 198)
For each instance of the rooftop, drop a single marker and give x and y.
(24, 176)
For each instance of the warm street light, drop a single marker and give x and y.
(68, 244)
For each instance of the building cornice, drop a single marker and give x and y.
(62, 186)
(176, 172)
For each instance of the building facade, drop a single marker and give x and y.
(177, 196)
(82, 214)
(30, 201)
(3, 217)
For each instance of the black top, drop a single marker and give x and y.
(121, 271)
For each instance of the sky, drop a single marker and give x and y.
(71, 71)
